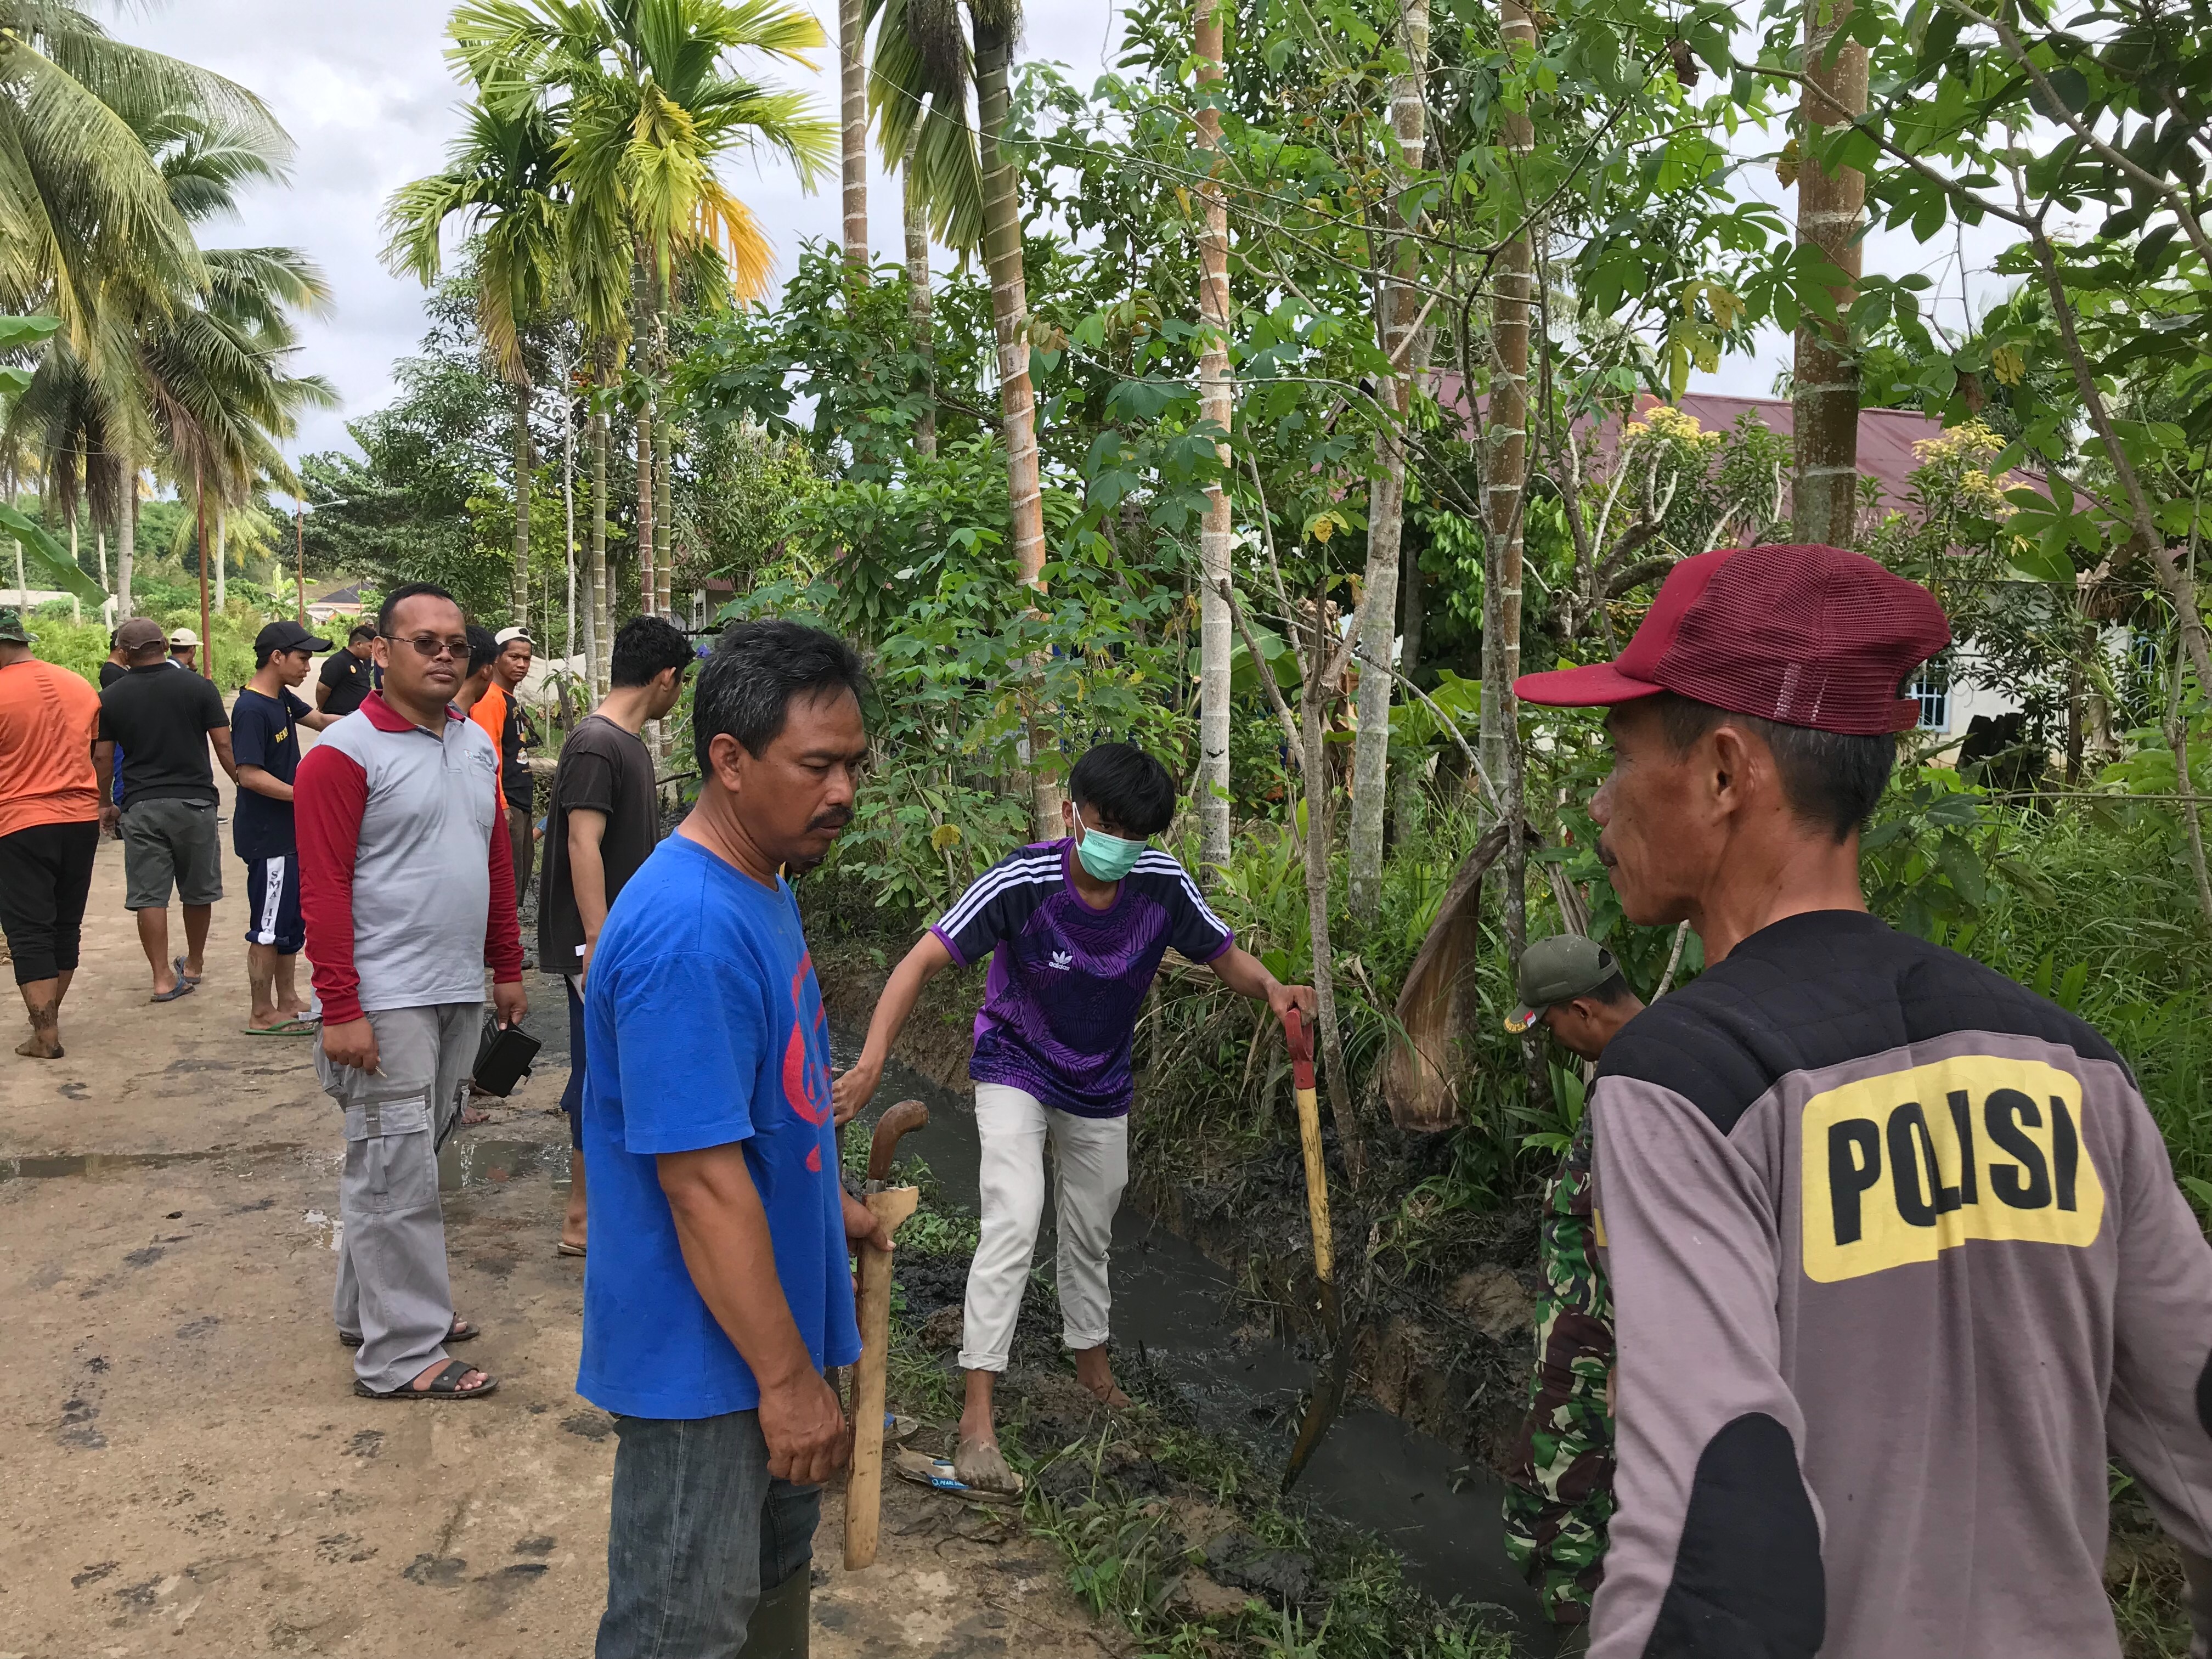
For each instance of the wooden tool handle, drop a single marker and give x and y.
(1324, 1246)
(864, 1486)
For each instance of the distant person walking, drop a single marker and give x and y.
(265, 736)
(602, 824)
(407, 892)
(346, 678)
(184, 648)
(164, 723)
(50, 797)
(719, 1286)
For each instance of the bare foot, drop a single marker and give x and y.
(38, 1048)
(1092, 1372)
(980, 1463)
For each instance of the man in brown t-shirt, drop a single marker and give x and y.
(604, 818)
(50, 800)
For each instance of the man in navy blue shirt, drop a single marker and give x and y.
(265, 736)
(719, 1286)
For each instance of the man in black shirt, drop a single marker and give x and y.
(603, 820)
(345, 679)
(164, 721)
(264, 726)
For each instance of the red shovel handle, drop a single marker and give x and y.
(1301, 1043)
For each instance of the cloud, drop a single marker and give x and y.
(370, 102)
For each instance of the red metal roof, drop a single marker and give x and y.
(1886, 436)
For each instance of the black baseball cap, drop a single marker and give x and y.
(287, 636)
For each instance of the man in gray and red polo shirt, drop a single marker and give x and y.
(407, 886)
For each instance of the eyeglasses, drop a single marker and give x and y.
(430, 645)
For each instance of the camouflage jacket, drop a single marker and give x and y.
(1560, 1498)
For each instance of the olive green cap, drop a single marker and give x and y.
(1558, 969)
(11, 626)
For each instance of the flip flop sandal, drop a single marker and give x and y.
(282, 1028)
(445, 1385)
(459, 1331)
(936, 1473)
(182, 976)
(183, 987)
(564, 1247)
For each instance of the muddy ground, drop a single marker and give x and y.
(187, 1471)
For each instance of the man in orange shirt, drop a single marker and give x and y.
(50, 796)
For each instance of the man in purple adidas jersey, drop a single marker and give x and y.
(1074, 929)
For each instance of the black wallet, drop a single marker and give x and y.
(503, 1058)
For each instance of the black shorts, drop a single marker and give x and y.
(45, 872)
(272, 904)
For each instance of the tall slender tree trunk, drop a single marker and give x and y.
(852, 88)
(599, 630)
(646, 592)
(221, 555)
(1399, 301)
(126, 534)
(568, 509)
(1010, 319)
(920, 321)
(1215, 634)
(1506, 463)
(1831, 208)
(517, 604)
(664, 523)
(1406, 786)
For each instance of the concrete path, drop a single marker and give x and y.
(185, 1471)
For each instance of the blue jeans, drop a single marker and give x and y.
(571, 1097)
(699, 1529)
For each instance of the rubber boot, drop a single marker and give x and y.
(781, 1620)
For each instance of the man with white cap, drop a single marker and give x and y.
(510, 726)
(184, 648)
(1896, 1252)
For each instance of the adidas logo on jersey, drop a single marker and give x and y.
(1062, 961)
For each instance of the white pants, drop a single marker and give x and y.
(1092, 1157)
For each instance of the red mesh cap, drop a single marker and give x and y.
(1804, 634)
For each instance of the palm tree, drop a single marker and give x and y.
(501, 181)
(923, 66)
(91, 231)
(184, 365)
(81, 196)
(648, 110)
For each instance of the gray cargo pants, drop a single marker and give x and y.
(393, 1291)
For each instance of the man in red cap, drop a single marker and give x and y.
(1895, 1246)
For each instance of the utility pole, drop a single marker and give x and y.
(300, 547)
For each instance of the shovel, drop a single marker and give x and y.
(864, 1486)
(1329, 1388)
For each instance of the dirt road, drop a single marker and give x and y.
(187, 1471)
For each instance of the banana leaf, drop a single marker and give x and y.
(46, 562)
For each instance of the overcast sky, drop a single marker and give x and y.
(363, 89)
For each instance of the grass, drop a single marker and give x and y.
(1126, 1555)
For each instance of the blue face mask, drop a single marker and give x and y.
(1108, 858)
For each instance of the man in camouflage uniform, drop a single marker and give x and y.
(1560, 1498)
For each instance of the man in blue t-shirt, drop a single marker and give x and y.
(1074, 930)
(719, 1286)
(264, 740)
